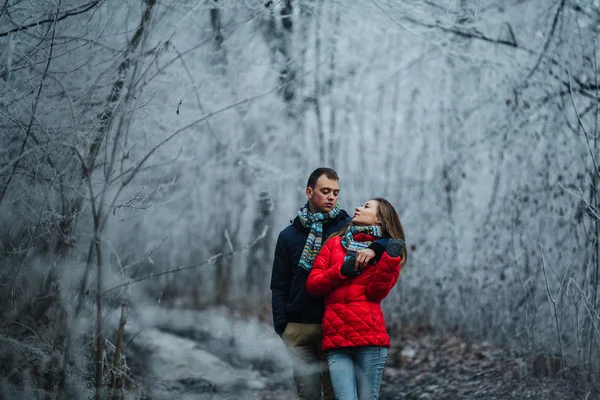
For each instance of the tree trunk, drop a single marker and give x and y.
(99, 339)
(317, 91)
(287, 73)
(390, 158)
(257, 271)
(334, 138)
(217, 27)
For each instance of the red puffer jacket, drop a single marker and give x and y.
(353, 315)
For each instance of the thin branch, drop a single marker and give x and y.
(210, 260)
(24, 326)
(138, 264)
(476, 35)
(12, 289)
(192, 124)
(453, 31)
(105, 116)
(556, 312)
(561, 6)
(4, 7)
(68, 14)
(86, 174)
(593, 315)
(189, 73)
(17, 159)
(186, 52)
(596, 73)
(585, 132)
(33, 106)
(590, 207)
(174, 134)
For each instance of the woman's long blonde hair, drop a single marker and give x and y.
(390, 224)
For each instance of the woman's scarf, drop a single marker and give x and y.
(352, 246)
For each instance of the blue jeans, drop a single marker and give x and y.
(356, 372)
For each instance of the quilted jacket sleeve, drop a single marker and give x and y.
(384, 277)
(323, 278)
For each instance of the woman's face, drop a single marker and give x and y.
(367, 214)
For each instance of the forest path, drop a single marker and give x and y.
(215, 354)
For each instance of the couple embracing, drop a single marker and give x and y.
(330, 274)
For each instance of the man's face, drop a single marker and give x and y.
(323, 197)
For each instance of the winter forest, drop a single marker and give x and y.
(151, 152)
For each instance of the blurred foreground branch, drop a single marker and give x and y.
(210, 260)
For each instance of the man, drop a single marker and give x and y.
(297, 316)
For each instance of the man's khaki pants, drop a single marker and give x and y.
(309, 362)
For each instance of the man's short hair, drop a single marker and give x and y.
(314, 177)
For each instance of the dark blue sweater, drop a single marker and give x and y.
(290, 300)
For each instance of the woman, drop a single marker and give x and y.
(354, 333)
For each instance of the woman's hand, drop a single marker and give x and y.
(363, 258)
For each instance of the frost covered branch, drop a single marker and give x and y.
(210, 260)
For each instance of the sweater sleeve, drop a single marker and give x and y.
(378, 246)
(385, 276)
(323, 277)
(281, 280)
